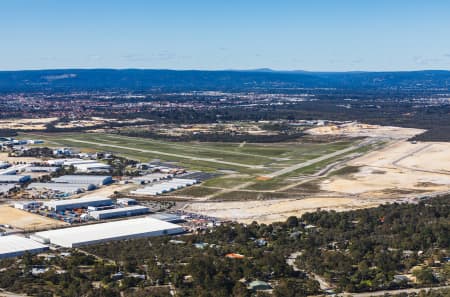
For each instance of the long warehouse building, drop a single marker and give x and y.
(104, 232)
(119, 212)
(14, 178)
(15, 246)
(164, 187)
(84, 202)
(64, 188)
(97, 180)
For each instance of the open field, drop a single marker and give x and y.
(26, 221)
(402, 167)
(254, 159)
(268, 211)
(355, 129)
(269, 182)
(5, 158)
(26, 124)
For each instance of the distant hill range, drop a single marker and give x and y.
(172, 80)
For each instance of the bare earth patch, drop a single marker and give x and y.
(365, 130)
(5, 158)
(269, 211)
(26, 221)
(26, 124)
(405, 167)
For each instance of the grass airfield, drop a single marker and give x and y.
(269, 182)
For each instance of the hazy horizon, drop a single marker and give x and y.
(324, 36)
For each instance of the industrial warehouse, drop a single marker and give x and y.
(164, 187)
(68, 185)
(80, 165)
(119, 212)
(14, 246)
(98, 180)
(68, 189)
(7, 178)
(84, 202)
(103, 232)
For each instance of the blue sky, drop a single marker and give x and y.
(321, 35)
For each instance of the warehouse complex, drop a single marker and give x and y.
(103, 232)
(119, 212)
(81, 165)
(14, 246)
(85, 202)
(152, 177)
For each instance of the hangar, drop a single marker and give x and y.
(104, 232)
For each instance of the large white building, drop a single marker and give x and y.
(6, 188)
(14, 246)
(104, 232)
(164, 187)
(14, 179)
(84, 202)
(27, 205)
(98, 180)
(62, 188)
(92, 167)
(119, 212)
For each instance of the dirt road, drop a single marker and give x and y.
(390, 292)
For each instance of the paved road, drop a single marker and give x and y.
(168, 154)
(391, 292)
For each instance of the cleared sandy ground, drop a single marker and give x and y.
(5, 158)
(269, 211)
(364, 130)
(402, 167)
(26, 221)
(26, 124)
(108, 191)
(433, 158)
(397, 172)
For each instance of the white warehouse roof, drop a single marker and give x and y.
(60, 187)
(119, 230)
(5, 188)
(164, 186)
(14, 246)
(77, 203)
(119, 212)
(84, 179)
(14, 178)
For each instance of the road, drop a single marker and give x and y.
(167, 154)
(313, 161)
(4, 293)
(391, 292)
(181, 146)
(418, 150)
(324, 285)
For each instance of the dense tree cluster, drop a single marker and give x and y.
(359, 250)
